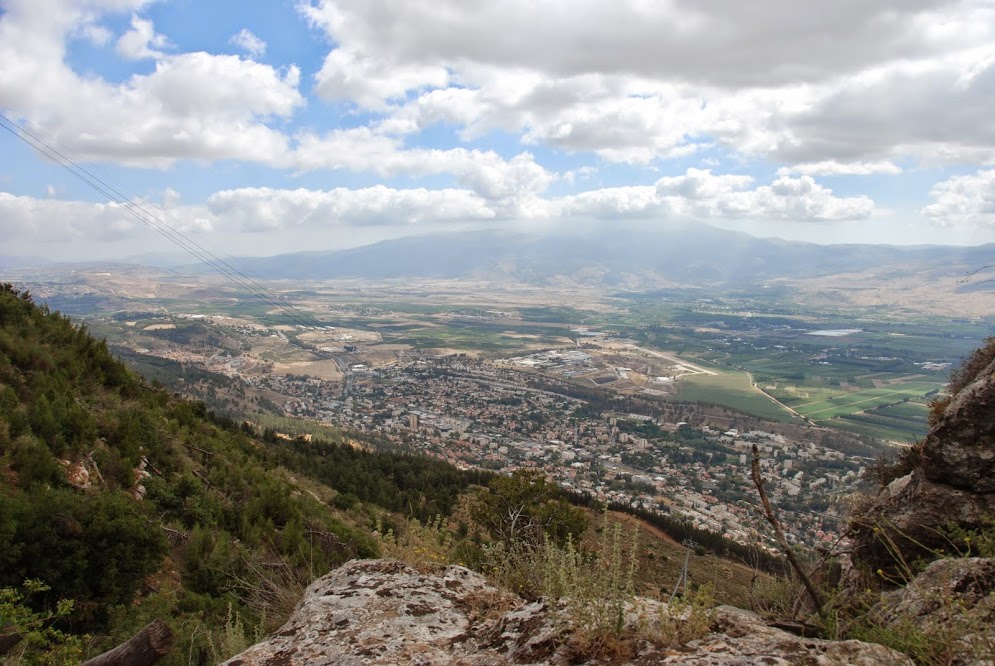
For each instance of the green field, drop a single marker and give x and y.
(840, 403)
(731, 390)
(904, 422)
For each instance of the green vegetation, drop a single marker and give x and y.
(731, 390)
(136, 506)
(942, 617)
(36, 632)
(905, 421)
(828, 378)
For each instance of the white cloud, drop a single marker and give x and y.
(248, 42)
(964, 199)
(485, 172)
(634, 81)
(96, 34)
(200, 83)
(193, 105)
(266, 209)
(722, 42)
(702, 195)
(834, 168)
(935, 110)
(853, 87)
(352, 74)
(370, 82)
(142, 41)
(79, 230)
(58, 221)
(581, 173)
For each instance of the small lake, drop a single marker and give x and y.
(836, 332)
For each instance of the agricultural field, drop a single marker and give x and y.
(734, 390)
(862, 372)
(904, 422)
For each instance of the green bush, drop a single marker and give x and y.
(95, 549)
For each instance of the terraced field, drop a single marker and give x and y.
(904, 422)
(827, 406)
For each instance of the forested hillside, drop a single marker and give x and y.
(136, 505)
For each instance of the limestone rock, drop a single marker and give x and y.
(954, 485)
(76, 473)
(960, 448)
(385, 612)
(741, 638)
(953, 586)
(953, 603)
(909, 516)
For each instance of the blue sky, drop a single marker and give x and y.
(282, 126)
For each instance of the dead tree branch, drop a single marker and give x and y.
(789, 552)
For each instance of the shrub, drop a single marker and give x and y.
(41, 642)
(592, 595)
(888, 468)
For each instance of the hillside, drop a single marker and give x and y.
(136, 505)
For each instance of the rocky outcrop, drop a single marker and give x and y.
(385, 612)
(908, 523)
(960, 449)
(951, 605)
(949, 590)
(954, 485)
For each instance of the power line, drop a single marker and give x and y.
(150, 219)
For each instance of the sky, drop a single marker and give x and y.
(257, 128)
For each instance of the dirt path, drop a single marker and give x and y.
(652, 529)
(770, 397)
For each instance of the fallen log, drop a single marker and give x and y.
(143, 649)
(8, 641)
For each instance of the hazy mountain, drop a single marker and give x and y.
(159, 259)
(690, 254)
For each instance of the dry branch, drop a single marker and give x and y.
(789, 552)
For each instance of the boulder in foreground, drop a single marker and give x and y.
(385, 612)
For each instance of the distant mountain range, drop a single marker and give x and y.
(685, 255)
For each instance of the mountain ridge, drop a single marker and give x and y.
(685, 254)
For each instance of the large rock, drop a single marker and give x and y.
(908, 522)
(950, 606)
(960, 448)
(385, 612)
(954, 486)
